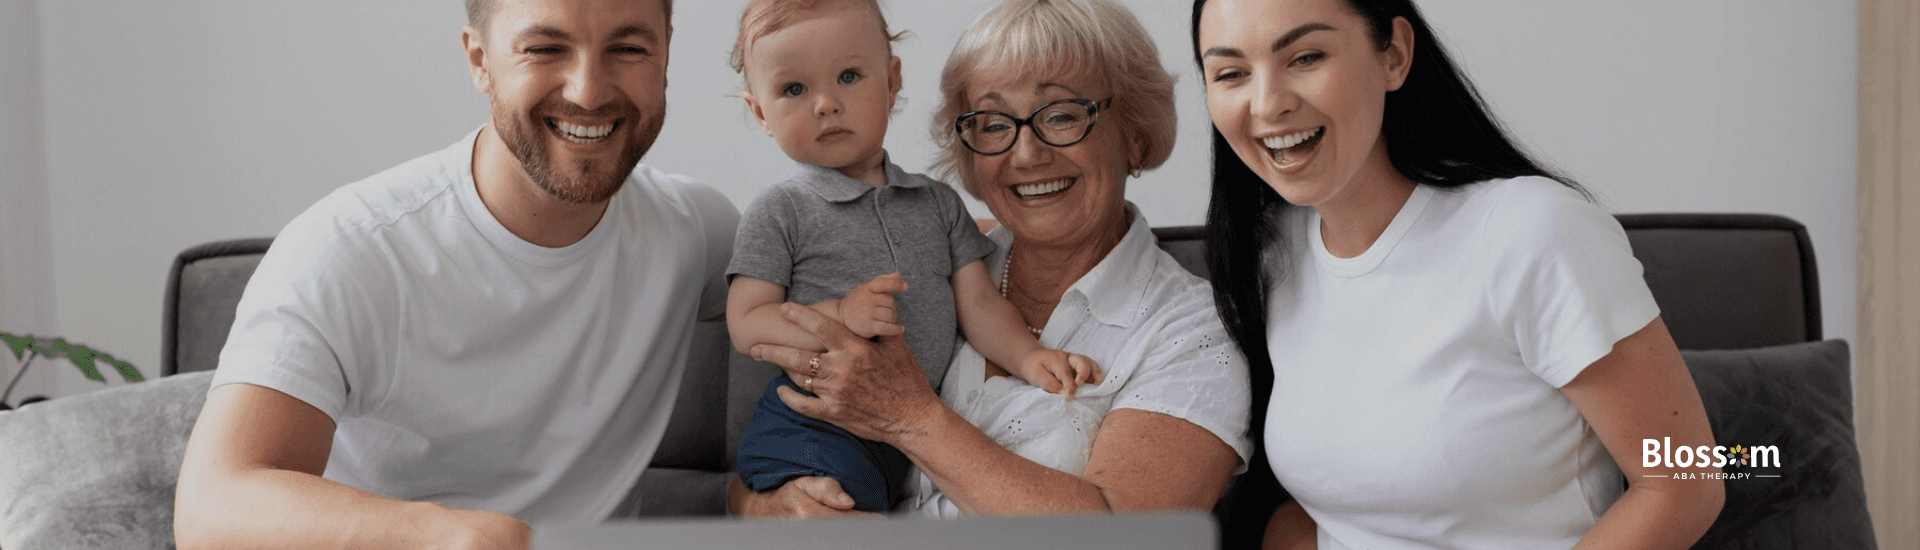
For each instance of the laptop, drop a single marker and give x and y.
(1157, 531)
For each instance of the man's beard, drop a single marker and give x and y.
(586, 182)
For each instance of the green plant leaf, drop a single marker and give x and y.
(126, 369)
(82, 357)
(18, 344)
(58, 350)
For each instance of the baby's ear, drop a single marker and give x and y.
(893, 74)
(754, 107)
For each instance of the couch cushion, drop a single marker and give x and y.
(696, 436)
(97, 470)
(1799, 398)
(675, 492)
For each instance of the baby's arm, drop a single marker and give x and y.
(753, 312)
(995, 328)
(753, 316)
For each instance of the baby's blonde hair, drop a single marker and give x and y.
(764, 17)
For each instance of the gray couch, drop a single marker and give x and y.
(98, 470)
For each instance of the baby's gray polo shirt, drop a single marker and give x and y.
(820, 233)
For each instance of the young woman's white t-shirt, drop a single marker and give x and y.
(1416, 397)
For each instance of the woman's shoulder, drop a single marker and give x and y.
(1531, 214)
(1189, 367)
(1520, 196)
(1179, 289)
(1176, 297)
(1141, 276)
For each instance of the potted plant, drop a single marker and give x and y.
(27, 348)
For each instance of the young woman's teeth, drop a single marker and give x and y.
(582, 134)
(1032, 189)
(1290, 140)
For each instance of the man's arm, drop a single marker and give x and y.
(251, 479)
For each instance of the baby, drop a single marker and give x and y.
(848, 232)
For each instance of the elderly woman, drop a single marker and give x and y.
(1048, 107)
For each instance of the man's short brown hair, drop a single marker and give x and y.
(479, 11)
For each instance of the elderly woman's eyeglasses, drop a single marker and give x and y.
(1060, 124)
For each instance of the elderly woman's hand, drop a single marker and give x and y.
(877, 391)
(801, 498)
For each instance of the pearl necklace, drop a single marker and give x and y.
(1006, 272)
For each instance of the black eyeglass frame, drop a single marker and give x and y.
(1093, 119)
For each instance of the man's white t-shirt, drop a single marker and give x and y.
(1416, 397)
(466, 366)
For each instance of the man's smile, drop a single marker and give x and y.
(580, 133)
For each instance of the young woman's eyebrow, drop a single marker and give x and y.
(1285, 40)
(1297, 33)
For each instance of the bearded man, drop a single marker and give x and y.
(483, 336)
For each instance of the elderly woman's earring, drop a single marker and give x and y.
(1135, 174)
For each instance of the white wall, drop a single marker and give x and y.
(1686, 106)
(169, 124)
(1742, 106)
(26, 273)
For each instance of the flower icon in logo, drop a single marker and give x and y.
(1742, 452)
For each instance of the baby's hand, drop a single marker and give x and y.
(867, 310)
(1057, 371)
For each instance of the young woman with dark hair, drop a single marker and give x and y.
(1460, 350)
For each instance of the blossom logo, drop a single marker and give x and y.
(1662, 453)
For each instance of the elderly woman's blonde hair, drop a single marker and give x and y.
(1040, 40)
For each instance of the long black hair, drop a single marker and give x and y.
(1438, 132)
